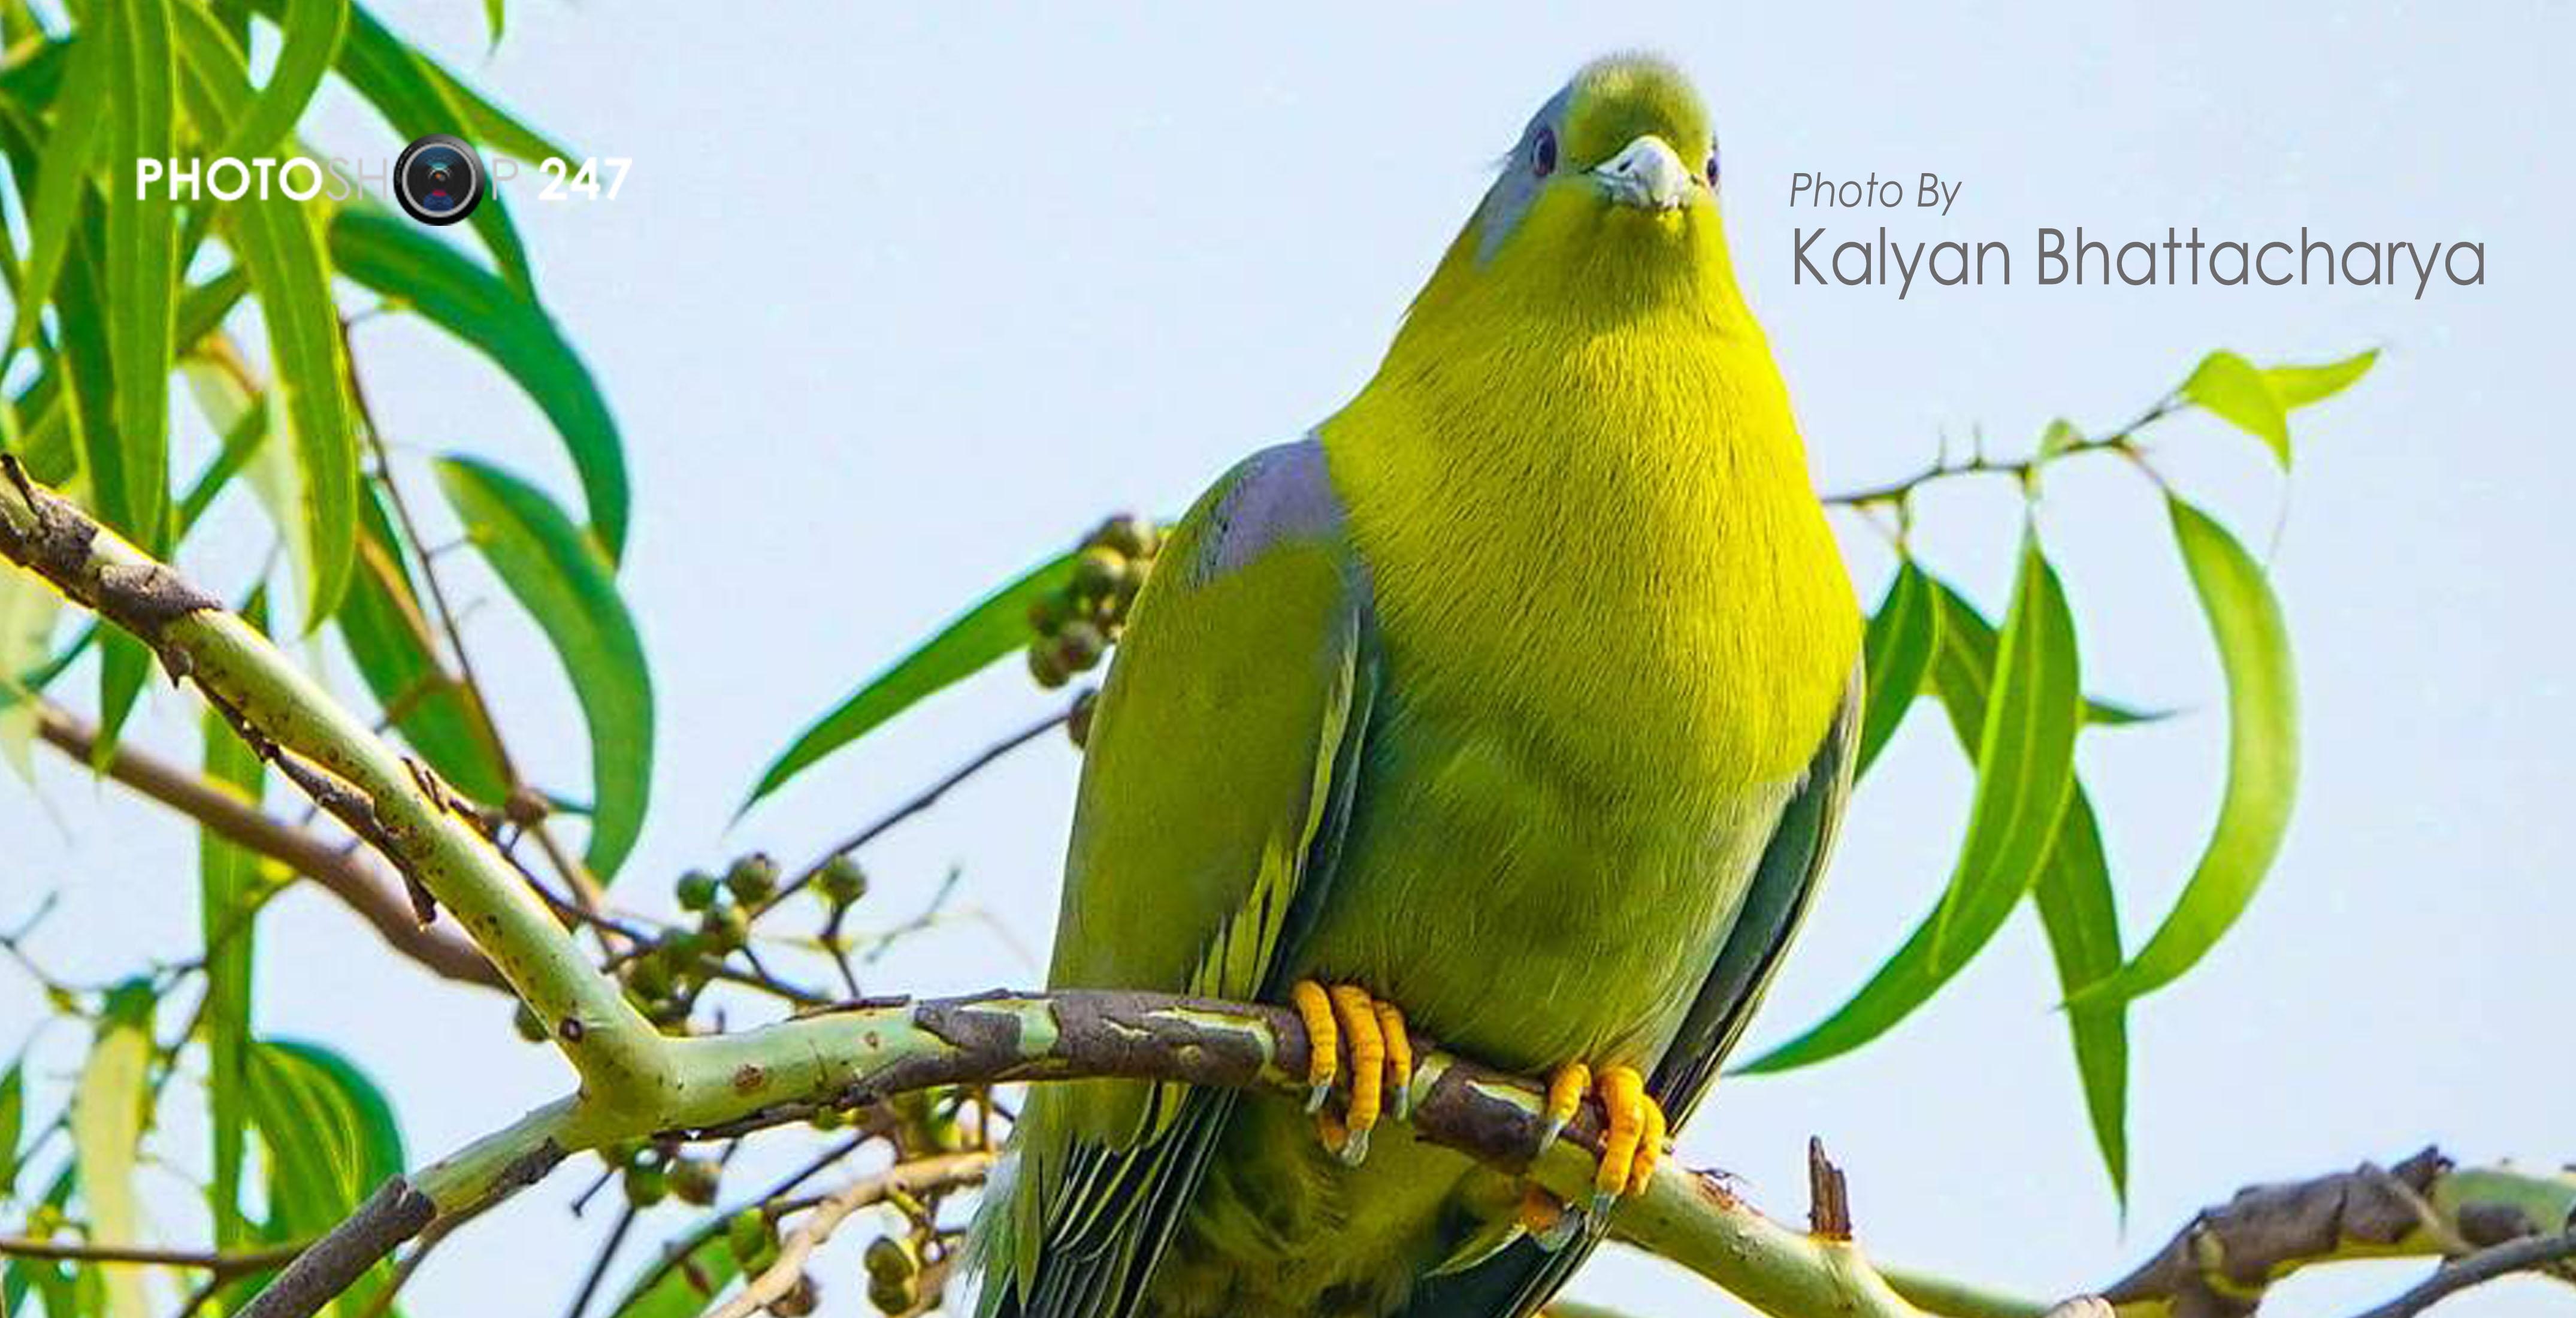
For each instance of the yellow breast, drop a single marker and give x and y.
(1603, 536)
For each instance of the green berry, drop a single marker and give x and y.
(893, 1295)
(843, 881)
(724, 929)
(1096, 572)
(1045, 667)
(800, 1299)
(530, 1028)
(1079, 646)
(694, 1180)
(646, 1185)
(1048, 612)
(753, 878)
(696, 890)
(889, 1258)
(1131, 536)
(747, 1234)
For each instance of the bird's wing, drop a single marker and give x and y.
(1517, 1280)
(1219, 767)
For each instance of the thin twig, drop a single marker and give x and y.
(377, 897)
(926, 798)
(2484, 1266)
(599, 1265)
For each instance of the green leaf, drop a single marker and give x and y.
(28, 610)
(2297, 386)
(2073, 893)
(558, 575)
(63, 176)
(2025, 762)
(125, 665)
(996, 627)
(1915, 972)
(418, 98)
(1896, 654)
(142, 255)
(2262, 757)
(2100, 713)
(397, 259)
(107, 1134)
(2076, 908)
(2060, 436)
(13, 1124)
(331, 1140)
(388, 636)
(2233, 391)
(280, 246)
(312, 30)
(228, 890)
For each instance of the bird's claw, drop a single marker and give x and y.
(1632, 1133)
(1345, 1018)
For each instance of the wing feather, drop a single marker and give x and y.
(1213, 796)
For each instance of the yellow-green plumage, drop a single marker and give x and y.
(1492, 698)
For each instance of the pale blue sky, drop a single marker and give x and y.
(889, 307)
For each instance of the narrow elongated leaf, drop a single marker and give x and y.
(401, 261)
(142, 255)
(125, 665)
(389, 638)
(13, 1124)
(1897, 652)
(331, 1140)
(2073, 893)
(2262, 757)
(2297, 386)
(995, 627)
(2076, 908)
(28, 610)
(63, 175)
(107, 1132)
(1914, 972)
(2235, 392)
(559, 576)
(312, 29)
(280, 246)
(227, 898)
(2025, 762)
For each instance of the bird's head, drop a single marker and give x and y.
(1606, 207)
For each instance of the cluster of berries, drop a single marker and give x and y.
(1077, 624)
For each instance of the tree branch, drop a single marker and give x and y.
(394, 802)
(636, 1082)
(375, 896)
(221, 1263)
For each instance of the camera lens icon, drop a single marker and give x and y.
(438, 179)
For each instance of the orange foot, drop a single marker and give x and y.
(1344, 1018)
(1632, 1143)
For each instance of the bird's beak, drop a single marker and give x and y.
(1646, 174)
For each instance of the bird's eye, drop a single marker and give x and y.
(1711, 167)
(1543, 153)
